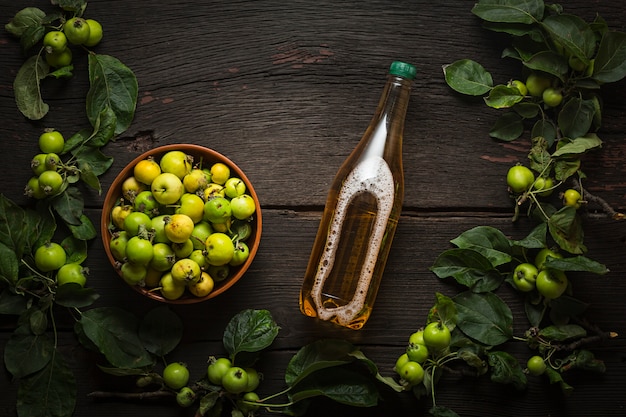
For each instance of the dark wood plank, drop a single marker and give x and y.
(286, 89)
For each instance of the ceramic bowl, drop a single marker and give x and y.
(206, 157)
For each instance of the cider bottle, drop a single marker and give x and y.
(361, 214)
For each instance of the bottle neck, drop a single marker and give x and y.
(384, 135)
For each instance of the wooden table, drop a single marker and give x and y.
(285, 89)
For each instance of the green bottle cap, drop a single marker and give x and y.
(402, 69)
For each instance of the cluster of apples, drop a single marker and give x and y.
(180, 228)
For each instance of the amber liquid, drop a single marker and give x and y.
(351, 248)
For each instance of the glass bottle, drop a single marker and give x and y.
(361, 214)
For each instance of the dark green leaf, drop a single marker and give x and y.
(536, 239)
(576, 117)
(508, 127)
(71, 5)
(25, 19)
(573, 33)
(31, 37)
(539, 156)
(488, 241)
(586, 361)
(342, 385)
(89, 177)
(468, 77)
(160, 331)
(97, 162)
(26, 353)
(26, 87)
(114, 332)
(566, 229)
(104, 128)
(545, 129)
(468, 267)
(51, 392)
(83, 231)
(527, 110)
(562, 333)
(9, 265)
(505, 369)
(610, 62)
(72, 295)
(76, 140)
(534, 309)
(484, 317)
(373, 368)
(38, 321)
(556, 378)
(509, 11)
(208, 402)
(11, 303)
(503, 97)
(315, 356)
(579, 145)
(250, 331)
(548, 62)
(112, 85)
(576, 263)
(24, 230)
(75, 249)
(444, 310)
(69, 205)
(565, 168)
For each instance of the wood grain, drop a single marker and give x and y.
(285, 89)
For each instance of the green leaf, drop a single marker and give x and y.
(51, 392)
(503, 97)
(98, 162)
(315, 356)
(104, 128)
(373, 368)
(565, 168)
(484, 317)
(9, 265)
(527, 110)
(576, 263)
(468, 77)
(112, 85)
(69, 205)
(509, 11)
(545, 129)
(536, 239)
(342, 385)
(24, 230)
(555, 378)
(610, 62)
(72, 295)
(508, 127)
(579, 145)
(548, 62)
(114, 332)
(250, 331)
(488, 241)
(444, 310)
(24, 19)
(83, 231)
(566, 229)
(75, 249)
(11, 303)
(573, 33)
(505, 369)
(468, 267)
(562, 333)
(26, 353)
(539, 156)
(160, 331)
(26, 87)
(576, 117)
